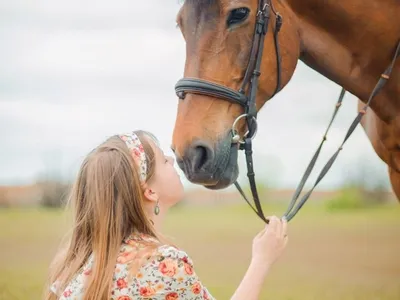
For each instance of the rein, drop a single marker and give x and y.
(248, 102)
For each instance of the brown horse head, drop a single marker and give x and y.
(219, 36)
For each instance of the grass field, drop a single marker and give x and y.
(340, 255)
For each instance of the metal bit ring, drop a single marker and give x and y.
(235, 134)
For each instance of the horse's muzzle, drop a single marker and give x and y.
(213, 166)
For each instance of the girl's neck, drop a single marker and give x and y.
(158, 220)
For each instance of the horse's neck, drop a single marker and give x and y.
(350, 42)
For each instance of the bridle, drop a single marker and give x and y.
(248, 102)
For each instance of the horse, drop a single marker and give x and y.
(351, 42)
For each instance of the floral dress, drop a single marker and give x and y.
(163, 272)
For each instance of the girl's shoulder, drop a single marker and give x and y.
(158, 272)
(139, 248)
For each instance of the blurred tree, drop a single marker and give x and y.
(54, 188)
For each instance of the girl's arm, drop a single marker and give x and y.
(251, 284)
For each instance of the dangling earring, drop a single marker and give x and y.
(156, 209)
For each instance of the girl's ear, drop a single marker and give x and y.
(150, 194)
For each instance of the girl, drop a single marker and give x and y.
(123, 191)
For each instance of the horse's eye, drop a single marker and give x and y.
(237, 16)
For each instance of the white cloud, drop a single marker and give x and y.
(51, 15)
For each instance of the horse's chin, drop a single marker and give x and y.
(226, 179)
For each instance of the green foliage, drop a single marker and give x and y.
(354, 197)
(348, 198)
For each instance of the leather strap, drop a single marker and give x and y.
(292, 210)
(262, 25)
(278, 25)
(254, 51)
(251, 110)
(315, 157)
(378, 87)
(200, 86)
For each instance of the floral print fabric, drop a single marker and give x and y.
(135, 146)
(166, 273)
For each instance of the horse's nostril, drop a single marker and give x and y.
(199, 157)
(180, 163)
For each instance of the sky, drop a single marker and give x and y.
(75, 72)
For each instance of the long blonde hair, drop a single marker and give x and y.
(107, 206)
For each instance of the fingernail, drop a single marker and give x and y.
(284, 218)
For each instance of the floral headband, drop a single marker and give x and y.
(135, 146)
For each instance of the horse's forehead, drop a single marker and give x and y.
(201, 6)
(201, 14)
